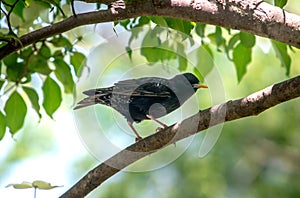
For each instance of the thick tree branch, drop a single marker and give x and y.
(231, 110)
(253, 16)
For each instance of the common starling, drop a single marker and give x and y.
(144, 98)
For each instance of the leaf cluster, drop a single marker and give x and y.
(45, 62)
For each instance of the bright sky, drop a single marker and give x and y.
(53, 167)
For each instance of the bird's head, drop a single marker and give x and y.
(194, 81)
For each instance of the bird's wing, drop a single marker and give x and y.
(143, 87)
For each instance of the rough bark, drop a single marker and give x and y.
(251, 105)
(252, 16)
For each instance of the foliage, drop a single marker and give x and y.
(57, 63)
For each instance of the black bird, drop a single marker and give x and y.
(144, 98)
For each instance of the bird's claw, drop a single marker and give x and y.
(139, 138)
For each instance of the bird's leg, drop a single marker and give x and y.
(159, 122)
(138, 137)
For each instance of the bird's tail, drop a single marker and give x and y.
(95, 96)
(84, 103)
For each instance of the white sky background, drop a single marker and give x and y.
(53, 167)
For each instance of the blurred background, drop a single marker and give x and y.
(252, 157)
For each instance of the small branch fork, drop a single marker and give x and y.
(251, 105)
(7, 14)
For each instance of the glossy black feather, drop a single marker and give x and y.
(137, 98)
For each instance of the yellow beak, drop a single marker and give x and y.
(202, 86)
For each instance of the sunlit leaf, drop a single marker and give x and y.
(15, 110)
(204, 59)
(2, 125)
(200, 28)
(182, 57)
(52, 96)
(218, 37)
(64, 75)
(232, 43)
(22, 185)
(43, 185)
(142, 21)
(34, 99)
(282, 55)
(78, 60)
(149, 46)
(125, 23)
(241, 58)
(159, 21)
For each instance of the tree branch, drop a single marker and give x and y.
(251, 105)
(253, 16)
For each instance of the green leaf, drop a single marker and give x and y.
(280, 3)
(282, 55)
(149, 46)
(34, 99)
(1, 83)
(15, 109)
(52, 96)
(166, 52)
(233, 41)
(18, 9)
(22, 185)
(129, 52)
(159, 21)
(241, 58)
(205, 59)
(143, 20)
(200, 29)
(180, 25)
(38, 63)
(231, 44)
(78, 60)
(61, 41)
(43, 185)
(26, 52)
(248, 40)
(125, 23)
(15, 72)
(11, 60)
(45, 51)
(218, 37)
(64, 75)
(198, 74)
(2, 125)
(182, 57)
